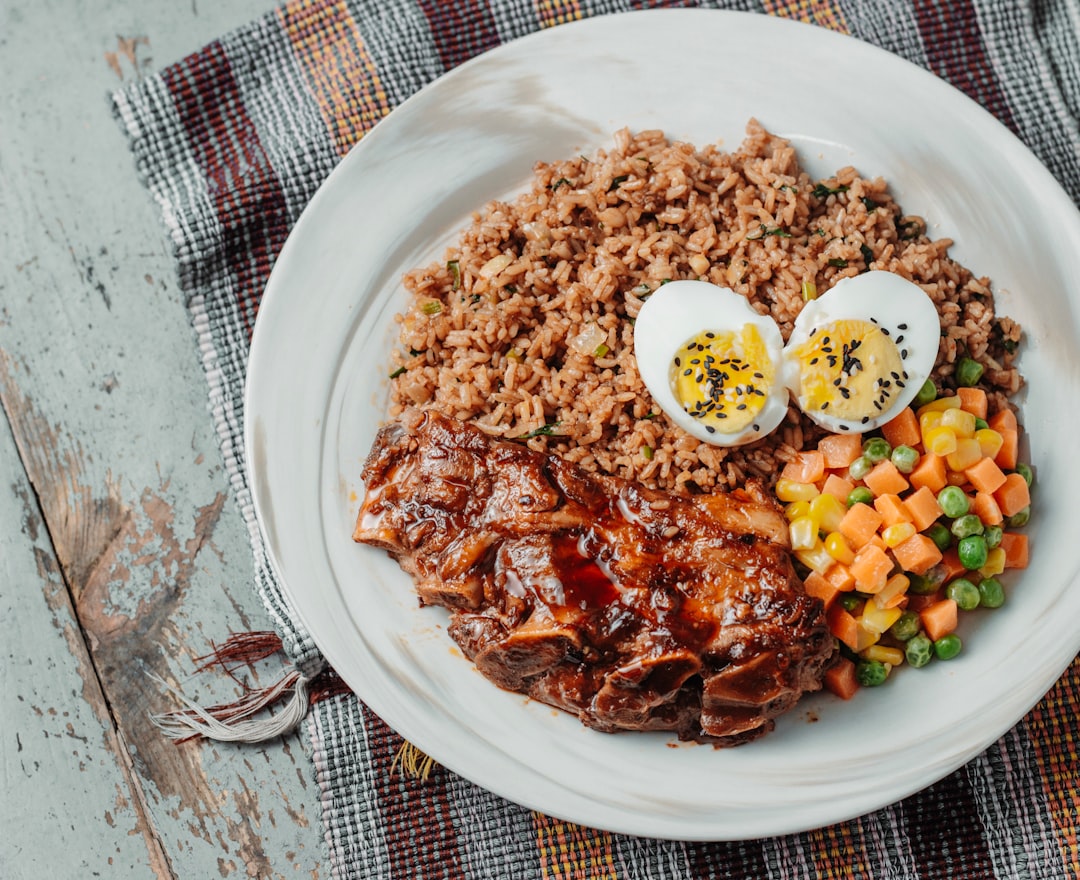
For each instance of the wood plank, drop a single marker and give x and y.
(101, 384)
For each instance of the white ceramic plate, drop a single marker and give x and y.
(317, 390)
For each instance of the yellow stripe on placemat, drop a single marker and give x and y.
(339, 71)
(571, 852)
(552, 12)
(820, 12)
(1052, 731)
(832, 850)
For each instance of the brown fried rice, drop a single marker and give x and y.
(504, 332)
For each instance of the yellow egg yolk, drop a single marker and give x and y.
(850, 369)
(723, 378)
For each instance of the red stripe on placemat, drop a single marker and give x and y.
(721, 861)
(1052, 731)
(572, 852)
(420, 837)
(946, 839)
(240, 181)
(460, 29)
(955, 51)
(340, 73)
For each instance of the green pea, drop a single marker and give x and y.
(851, 602)
(972, 552)
(919, 650)
(991, 593)
(948, 646)
(968, 372)
(926, 394)
(876, 449)
(860, 495)
(906, 626)
(870, 673)
(860, 467)
(1018, 519)
(905, 458)
(940, 535)
(920, 584)
(1026, 472)
(964, 593)
(993, 534)
(981, 423)
(952, 501)
(968, 524)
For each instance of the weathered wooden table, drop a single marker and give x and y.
(121, 552)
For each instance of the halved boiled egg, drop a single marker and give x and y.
(862, 350)
(857, 355)
(711, 362)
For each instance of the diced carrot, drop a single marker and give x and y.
(859, 524)
(903, 430)
(985, 475)
(871, 568)
(816, 585)
(1009, 453)
(1015, 545)
(877, 541)
(840, 450)
(985, 507)
(951, 566)
(1013, 495)
(892, 510)
(840, 678)
(885, 479)
(843, 625)
(939, 619)
(837, 486)
(918, 554)
(839, 575)
(1003, 418)
(805, 467)
(929, 472)
(973, 400)
(922, 507)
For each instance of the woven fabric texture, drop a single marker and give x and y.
(233, 141)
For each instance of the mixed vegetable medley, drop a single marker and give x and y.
(900, 531)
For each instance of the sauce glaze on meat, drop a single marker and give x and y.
(633, 609)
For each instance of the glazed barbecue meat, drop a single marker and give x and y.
(631, 608)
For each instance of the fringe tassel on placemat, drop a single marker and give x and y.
(233, 721)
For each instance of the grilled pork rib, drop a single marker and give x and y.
(633, 609)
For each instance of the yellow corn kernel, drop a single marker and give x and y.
(884, 654)
(894, 586)
(967, 452)
(827, 510)
(940, 440)
(804, 533)
(995, 563)
(796, 509)
(990, 442)
(864, 638)
(877, 620)
(939, 405)
(816, 558)
(960, 420)
(929, 420)
(896, 534)
(790, 490)
(837, 547)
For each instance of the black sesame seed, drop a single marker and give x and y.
(865, 419)
(710, 429)
(885, 330)
(710, 336)
(687, 372)
(757, 427)
(678, 362)
(759, 375)
(902, 326)
(899, 338)
(813, 361)
(695, 361)
(903, 354)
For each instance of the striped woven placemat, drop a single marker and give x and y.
(233, 140)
